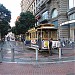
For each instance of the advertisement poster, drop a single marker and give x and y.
(45, 44)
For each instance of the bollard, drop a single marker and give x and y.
(59, 53)
(16, 43)
(1, 55)
(36, 54)
(12, 54)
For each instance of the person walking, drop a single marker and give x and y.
(50, 47)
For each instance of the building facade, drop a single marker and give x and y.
(60, 13)
(53, 12)
(70, 23)
(27, 5)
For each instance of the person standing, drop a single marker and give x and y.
(63, 42)
(8, 38)
(50, 47)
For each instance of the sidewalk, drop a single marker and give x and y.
(25, 55)
(30, 57)
(37, 69)
(25, 63)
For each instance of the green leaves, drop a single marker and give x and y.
(5, 16)
(25, 22)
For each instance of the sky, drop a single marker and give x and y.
(15, 8)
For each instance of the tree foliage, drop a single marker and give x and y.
(5, 16)
(14, 30)
(25, 22)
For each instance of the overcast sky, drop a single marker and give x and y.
(14, 7)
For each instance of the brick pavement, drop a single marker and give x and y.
(37, 69)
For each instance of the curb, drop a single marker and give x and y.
(43, 61)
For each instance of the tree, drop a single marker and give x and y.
(25, 22)
(14, 30)
(5, 16)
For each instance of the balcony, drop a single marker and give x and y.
(43, 2)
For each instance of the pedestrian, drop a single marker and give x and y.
(63, 42)
(24, 41)
(50, 47)
(8, 38)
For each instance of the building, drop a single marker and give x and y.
(70, 23)
(53, 12)
(60, 13)
(27, 5)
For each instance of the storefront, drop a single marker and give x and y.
(71, 29)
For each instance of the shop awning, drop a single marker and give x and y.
(67, 22)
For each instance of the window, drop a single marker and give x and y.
(54, 13)
(34, 11)
(45, 15)
(55, 23)
(36, 2)
(32, 6)
(72, 16)
(71, 4)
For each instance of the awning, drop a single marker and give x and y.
(47, 28)
(67, 22)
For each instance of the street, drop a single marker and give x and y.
(24, 61)
(37, 37)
